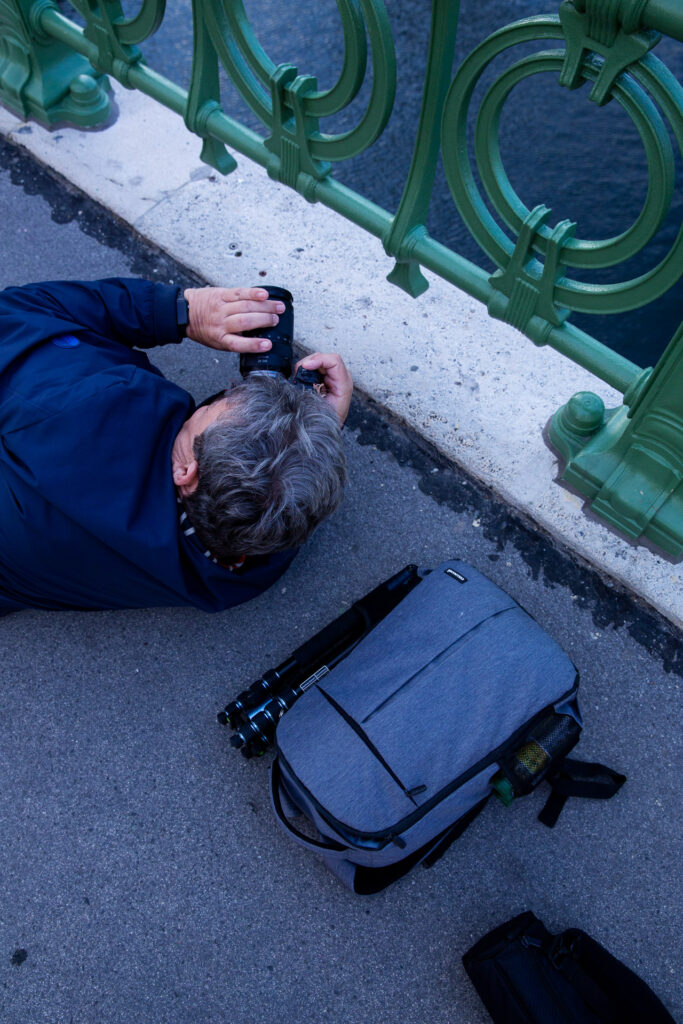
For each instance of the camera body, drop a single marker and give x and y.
(278, 360)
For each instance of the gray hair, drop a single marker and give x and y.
(270, 469)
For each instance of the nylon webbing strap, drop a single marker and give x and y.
(578, 778)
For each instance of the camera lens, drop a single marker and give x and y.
(308, 380)
(278, 359)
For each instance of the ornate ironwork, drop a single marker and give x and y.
(649, 76)
(628, 462)
(38, 78)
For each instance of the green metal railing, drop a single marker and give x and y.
(628, 461)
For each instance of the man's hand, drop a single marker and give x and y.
(338, 382)
(219, 315)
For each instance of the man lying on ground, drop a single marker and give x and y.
(116, 491)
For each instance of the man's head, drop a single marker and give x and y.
(258, 469)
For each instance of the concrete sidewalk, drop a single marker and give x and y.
(142, 875)
(471, 386)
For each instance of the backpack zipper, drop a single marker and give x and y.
(382, 838)
(362, 735)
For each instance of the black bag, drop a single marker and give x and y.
(525, 975)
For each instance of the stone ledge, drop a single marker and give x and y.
(474, 387)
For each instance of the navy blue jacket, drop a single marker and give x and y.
(88, 511)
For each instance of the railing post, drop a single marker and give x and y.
(204, 95)
(408, 224)
(629, 461)
(42, 78)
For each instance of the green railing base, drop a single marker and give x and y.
(43, 79)
(628, 461)
(85, 105)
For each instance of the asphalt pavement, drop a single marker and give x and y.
(142, 875)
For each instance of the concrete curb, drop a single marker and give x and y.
(473, 387)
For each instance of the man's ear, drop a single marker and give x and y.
(186, 477)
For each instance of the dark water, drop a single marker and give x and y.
(586, 163)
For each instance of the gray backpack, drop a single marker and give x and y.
(455, 695)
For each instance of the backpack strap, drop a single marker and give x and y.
(578, 778)
(316, 845)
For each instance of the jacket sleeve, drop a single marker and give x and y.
(134, 312)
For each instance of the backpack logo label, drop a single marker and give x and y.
(456, 575)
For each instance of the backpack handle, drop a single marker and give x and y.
(317, 845)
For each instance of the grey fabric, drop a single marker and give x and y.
(437, 687)
(331, 760)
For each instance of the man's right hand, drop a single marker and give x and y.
(219, 315)
(337, 379)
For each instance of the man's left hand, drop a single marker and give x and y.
(219, 315)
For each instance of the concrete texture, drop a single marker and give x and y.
(471, 386)
(142, 875)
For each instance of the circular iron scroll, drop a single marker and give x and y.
(646, 81)
(251, 70)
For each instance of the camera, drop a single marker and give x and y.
(278, 360)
